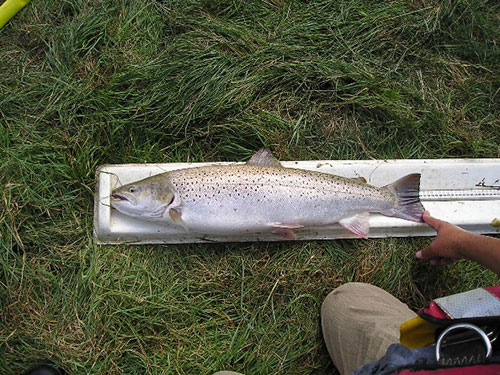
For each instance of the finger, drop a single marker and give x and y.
(434, 261)
(431, 221)
(426, 253)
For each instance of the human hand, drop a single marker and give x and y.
(448, 246)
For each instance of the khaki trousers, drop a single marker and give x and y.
(359, 322)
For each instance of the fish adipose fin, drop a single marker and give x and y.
(358, 224)
(264, 157)
(407, 190)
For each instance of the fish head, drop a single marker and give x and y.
(146, 199)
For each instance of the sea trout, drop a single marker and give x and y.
(263, 196)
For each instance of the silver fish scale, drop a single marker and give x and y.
(243, 198)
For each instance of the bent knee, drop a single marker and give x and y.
(345, 295)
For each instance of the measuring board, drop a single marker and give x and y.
(465, 192)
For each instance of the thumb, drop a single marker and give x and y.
(426, 253)
(432, 221)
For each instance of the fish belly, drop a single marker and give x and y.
(240, 217)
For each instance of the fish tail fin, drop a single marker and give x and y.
(408, 206)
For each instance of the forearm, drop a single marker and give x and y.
(483, 250)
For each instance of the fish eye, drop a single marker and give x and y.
(132, 189)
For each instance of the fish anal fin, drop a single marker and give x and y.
(358, 224)
(176, 216)
(264, 157)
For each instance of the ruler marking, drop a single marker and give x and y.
(458, 195)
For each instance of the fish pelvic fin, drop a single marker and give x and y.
(286, 230)
(264, 157)
(287, 234)
(408, 205)
(358, 224)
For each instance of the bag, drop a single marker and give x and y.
(457, 334)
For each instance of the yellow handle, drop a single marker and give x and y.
(417, 333)
(9, 9)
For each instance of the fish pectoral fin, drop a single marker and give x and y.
(176, 216)
(358, 224)
(264, 157)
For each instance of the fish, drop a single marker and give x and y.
(262, 196)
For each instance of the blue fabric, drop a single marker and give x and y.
(398, 357)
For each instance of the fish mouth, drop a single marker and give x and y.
(119, 197)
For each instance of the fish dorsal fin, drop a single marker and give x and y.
(264, 157)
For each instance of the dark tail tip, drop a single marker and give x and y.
(407, 189)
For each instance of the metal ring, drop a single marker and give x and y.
(479, 331)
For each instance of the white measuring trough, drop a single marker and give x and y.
(465, 192)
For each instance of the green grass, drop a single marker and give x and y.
(88, 83)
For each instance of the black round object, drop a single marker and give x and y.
(44, 370)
